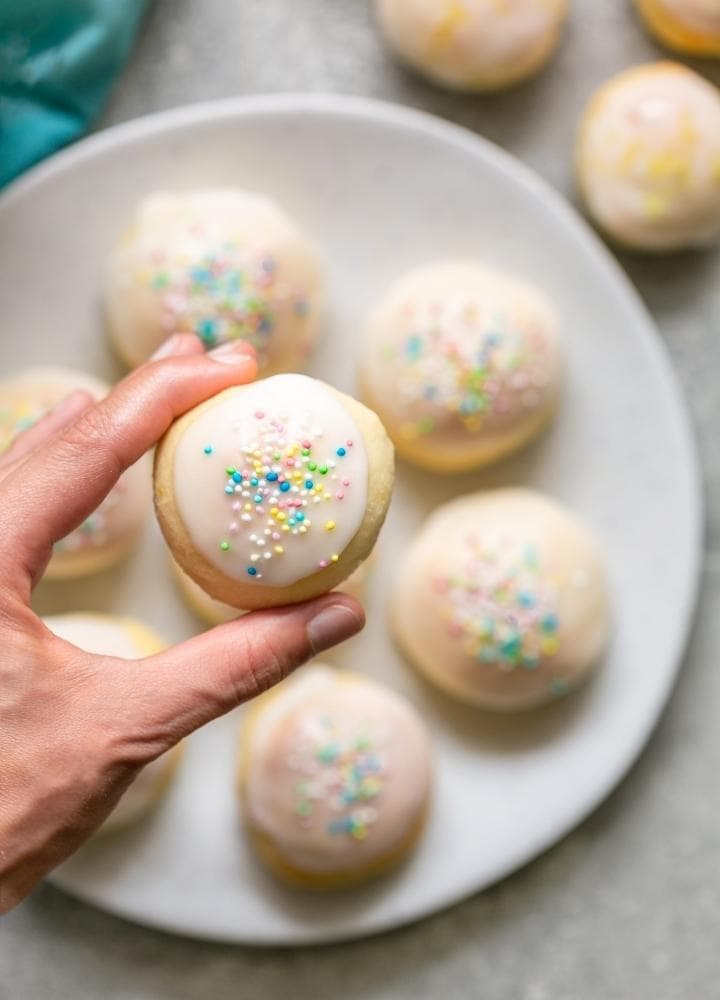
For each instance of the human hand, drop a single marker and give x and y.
(76, 728)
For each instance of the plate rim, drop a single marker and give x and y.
(262, 105)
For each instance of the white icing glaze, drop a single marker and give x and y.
(222, 263)
(649, 157)
(273, 530)
(502, 599)
(338, 771)
(473, 44)
(26, 398)
(108, 636)
(459, 355)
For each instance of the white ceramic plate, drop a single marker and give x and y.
(381, 189)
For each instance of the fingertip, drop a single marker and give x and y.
(337, 619)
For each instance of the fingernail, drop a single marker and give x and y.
(332, 625)
(166, 349)
(233, 352)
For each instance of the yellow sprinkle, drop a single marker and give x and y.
(247, 506)
(319, 488)
(279, 549)
(334, 557)
(327, 496)
(285, 527)
(329, 526)
(453, 16)
(549, 645)
(655, 206)
(273, 511)
(302, 529)
(670, 166)
(281, 515)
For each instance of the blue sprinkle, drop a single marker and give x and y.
(341, 452)
(272, 477)
(309, 484)
(208, 449)
(285, 487)
(254, 481)
(237, 477)
(257, 498)
(299, 516)
(229, 489)
(251, 571)
(549, 622)
(413, 347)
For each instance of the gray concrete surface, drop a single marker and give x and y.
(629, 905)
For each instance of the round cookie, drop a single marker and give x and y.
(648, 158)
(214, 612)
(473, 45)
(274, 492)
(335, 775)
(112, 635)
(111, 532)
(223, 263)
(462, 363)
(502, 600)
(688, 26)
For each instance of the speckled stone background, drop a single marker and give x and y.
(629, 905)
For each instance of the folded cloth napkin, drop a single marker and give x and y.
(58, 60)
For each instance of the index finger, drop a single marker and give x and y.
(58, 486)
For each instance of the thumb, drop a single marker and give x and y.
(177, 691)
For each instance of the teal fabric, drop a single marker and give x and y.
(58, 60)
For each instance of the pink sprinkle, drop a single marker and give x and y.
(259, 414)
(234, 528)
(346, 482)
(306, 444)
(260, 509)
(290, 462)
(349, 443)
(323, 563)
(340, 495)
(235, 505)
(275, 536)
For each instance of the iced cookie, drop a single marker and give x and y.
(111, 532)
(214, 612)
(462, 363)
(335, 775)
(502, 600)
(223, 263)
(274, 492)
(648, 158)
(688, 26)
(112, 635)
(473, 45)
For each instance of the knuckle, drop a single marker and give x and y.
(94, 430)
(264, 660)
